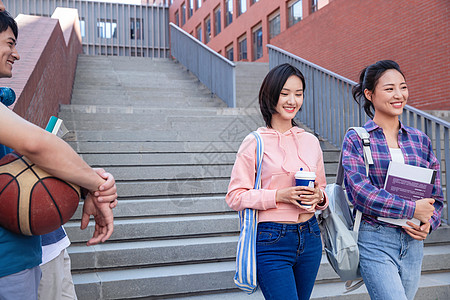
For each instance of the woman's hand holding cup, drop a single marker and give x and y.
(293, 195)
(300, 196)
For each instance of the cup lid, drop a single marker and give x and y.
(305, 174)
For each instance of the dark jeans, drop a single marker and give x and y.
(288, 259)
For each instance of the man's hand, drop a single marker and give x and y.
(103, 217)
(107, 192)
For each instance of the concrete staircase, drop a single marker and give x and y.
(249, 77)
(171, 147)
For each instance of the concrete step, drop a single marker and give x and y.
(431, 287)
(167, 100)
(153, 253)
(158, 159)
(137, 85)
(156, 281)
(178, 280)
(184, 186)
(106, 108)
(112, 96)
(158, 257)
(201, 249)
(161, 227)
(154, 117)
(155, 147)
(158, 135)
(186, 172)
(249, 77)
(147, 173)
(166, 206)
(168, 159)
(152, 126)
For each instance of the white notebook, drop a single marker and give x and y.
(410, 183)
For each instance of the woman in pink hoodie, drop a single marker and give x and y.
(288, 247)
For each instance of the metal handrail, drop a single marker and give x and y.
(329, 109)
(212, 69)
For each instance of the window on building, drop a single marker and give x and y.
(242, 44)
(207, 29)
(106, 28)
(228, 12)
(217, 21)
(257, 37)
(274, 24)
(253, 1)
(294, 12)
(177, 18)
(136, 29)
(183, 14)
(314, 5)
(229, 52)
(191, 8)
(242, 6)
(82, 27)
(199, 4)
(198, 30)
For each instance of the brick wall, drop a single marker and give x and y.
(43, 77)
(347, 35)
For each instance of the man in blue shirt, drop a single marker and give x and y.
(20, 256)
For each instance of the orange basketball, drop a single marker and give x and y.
(33, 202)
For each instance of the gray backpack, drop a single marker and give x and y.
(338, 227)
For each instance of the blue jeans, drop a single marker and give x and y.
(390, 262)
(288, 259)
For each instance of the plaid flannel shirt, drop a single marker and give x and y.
(367, 194)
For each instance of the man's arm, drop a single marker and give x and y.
(57, 158)
(46, 150)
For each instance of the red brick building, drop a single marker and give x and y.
(340, 35)
(240, 29)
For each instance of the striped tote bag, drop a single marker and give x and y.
(245, 277)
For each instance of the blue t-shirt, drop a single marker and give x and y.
(17, 252)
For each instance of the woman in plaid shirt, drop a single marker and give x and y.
(390, 255)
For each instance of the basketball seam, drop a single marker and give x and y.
(18, 197)
(14, 178)
(31, 193)
(51, 197)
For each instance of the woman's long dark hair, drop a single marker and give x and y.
(368, 79)
(271, 87)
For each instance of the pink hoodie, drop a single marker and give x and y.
(284, 154)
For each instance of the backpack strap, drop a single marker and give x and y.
(368, 160)
(365, 137)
